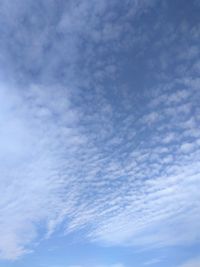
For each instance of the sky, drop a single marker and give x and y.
(99, 133)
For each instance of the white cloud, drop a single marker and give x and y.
(150, 118)
(31, 160)
(187, 147)
(153, 261)
(84, 164)
(169, 138)
(141, 194)
(191, 263)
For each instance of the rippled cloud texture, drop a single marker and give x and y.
(99, 123)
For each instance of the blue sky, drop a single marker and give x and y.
(99, 133)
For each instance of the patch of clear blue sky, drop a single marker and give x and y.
(130, 72)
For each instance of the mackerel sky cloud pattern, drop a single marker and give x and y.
(99, 132)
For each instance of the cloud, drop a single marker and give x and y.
(77, 151)
(52, 47)
(153, 261)
(191, 263)
(187, 147)
(37, 127)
